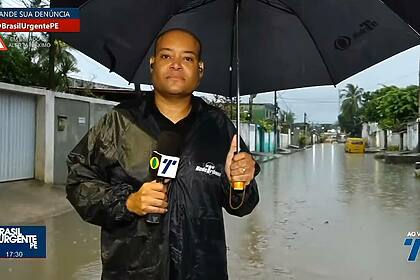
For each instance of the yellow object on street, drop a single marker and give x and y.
(355, 145)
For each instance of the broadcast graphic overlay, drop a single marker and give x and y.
(23, 242)
(3, 46)
(39, 20)
(412, 241)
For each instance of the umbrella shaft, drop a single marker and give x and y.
(238, 109)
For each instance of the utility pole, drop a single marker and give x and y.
(304, 121)
(52, 50)
(251, 102)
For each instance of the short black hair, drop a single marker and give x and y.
(182, 30)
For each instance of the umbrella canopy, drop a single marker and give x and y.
(282, 44)
(408, 10)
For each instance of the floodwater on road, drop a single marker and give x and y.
(323, 214)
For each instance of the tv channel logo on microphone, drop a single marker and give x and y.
(23, 242)
(412, 241)
(168, 167)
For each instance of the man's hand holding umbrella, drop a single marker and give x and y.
(239, 167)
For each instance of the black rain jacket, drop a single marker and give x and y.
(112, 161)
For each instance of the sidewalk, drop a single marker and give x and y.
(398, 157)
(264, 157)
(30, 201)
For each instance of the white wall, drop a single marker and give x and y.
(284, 140)
(412, 136)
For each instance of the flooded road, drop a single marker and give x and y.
(323, 214)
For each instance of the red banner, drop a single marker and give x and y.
(39, 25)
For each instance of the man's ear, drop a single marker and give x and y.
(201, 69)
(151, 62)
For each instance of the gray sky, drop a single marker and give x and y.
(320, 103)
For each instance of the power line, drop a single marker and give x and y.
(287, 106)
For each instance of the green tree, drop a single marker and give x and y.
(397, 106)
(369, 111)
(27, 61)
(16, 65)
(34, 59)
(289, 118)
(349, 117)
(267, 124)
(64, 63)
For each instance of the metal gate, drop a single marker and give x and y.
(17, 136)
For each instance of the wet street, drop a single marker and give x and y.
(323, 214)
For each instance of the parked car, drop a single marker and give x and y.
(355, 145)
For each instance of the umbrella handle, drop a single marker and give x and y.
(238, 186)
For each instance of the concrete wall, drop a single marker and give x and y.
(252, 137)
(375, 136)
(284, 140)
(96, 111)
(412, 136)
(395, 140)
(71, 124)
(46, 123)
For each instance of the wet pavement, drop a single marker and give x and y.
(323, 214)
(26, 201)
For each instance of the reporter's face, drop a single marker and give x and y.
(176, 66)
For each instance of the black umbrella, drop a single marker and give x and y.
(281, 44)
(408, 10)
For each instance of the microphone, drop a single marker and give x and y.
(164, 162)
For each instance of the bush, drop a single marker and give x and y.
(393, 148)
(303, 140)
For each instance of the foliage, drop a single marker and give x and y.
(303, 140)
(27, 59)
(267, 124)
(349, 117)
(397, 106)
(391, 107)
(289, 117)
(393, 148)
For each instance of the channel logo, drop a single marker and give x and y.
(413, 240)
(23, 242)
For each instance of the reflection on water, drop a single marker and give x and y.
(323, 214)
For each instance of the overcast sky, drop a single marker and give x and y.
(320, 103)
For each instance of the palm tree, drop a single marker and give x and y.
(351, 98)
(351, 101)
(64, 63)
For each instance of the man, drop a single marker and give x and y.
(108, 180)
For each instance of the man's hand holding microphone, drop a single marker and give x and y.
(150, 199)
